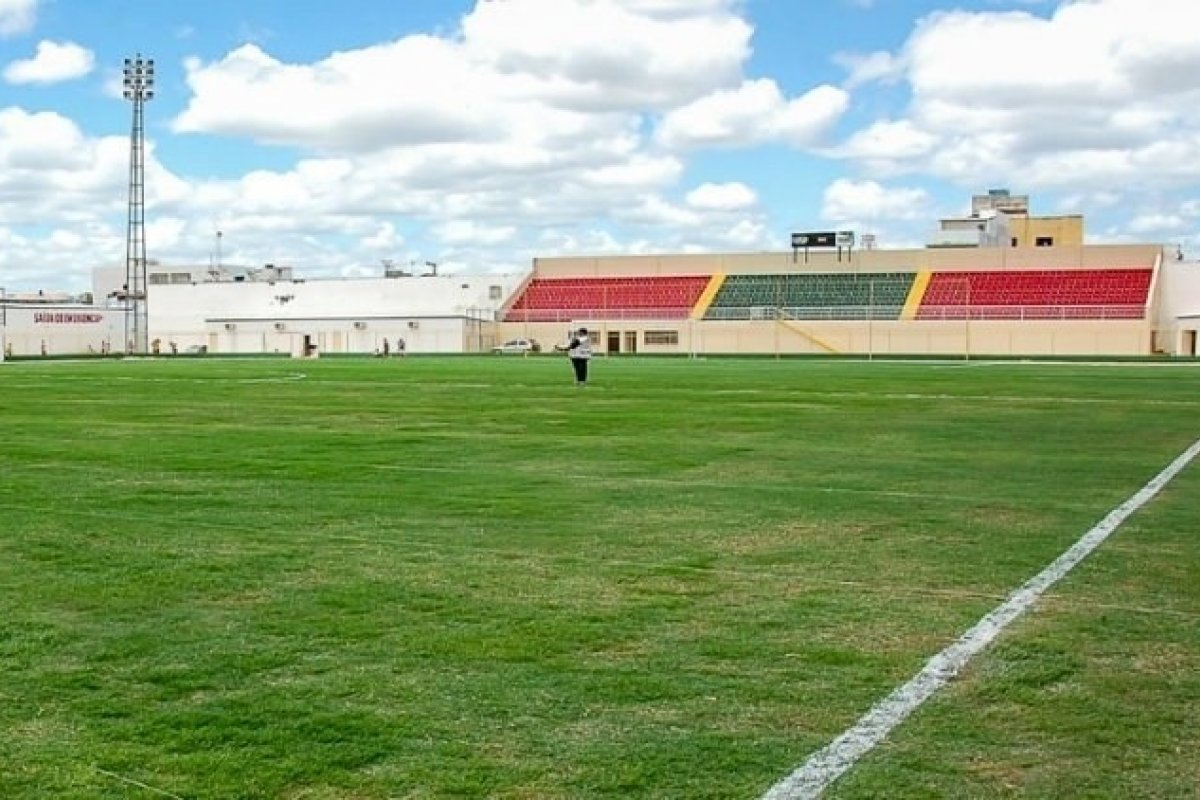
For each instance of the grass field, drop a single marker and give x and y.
(437, 578)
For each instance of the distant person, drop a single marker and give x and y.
(174, 348)
(401, 345)
(387, 348)
(579, 350)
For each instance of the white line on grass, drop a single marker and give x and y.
(828, 764)
(138, 784)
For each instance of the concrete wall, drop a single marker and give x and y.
(1064, 231)
(420, 335)
(1178, 293)
(1001, 258)
(858, 337)
(32, 330)
(432, 314)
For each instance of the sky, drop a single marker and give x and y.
(337, 137)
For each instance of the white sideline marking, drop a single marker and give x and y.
(138, 784)
(828, 764)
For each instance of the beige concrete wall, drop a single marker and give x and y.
(1000, 258)
(1065, 231)
(951, 338)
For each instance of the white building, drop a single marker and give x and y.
(431, 314)
(1179, 307)
(267, 310)
(990, 228)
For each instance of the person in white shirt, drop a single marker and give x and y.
(580, 352)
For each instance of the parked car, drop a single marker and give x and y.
(518, 346)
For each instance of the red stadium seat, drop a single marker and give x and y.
(650, 297)
(1038, 294)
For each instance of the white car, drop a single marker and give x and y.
(518, 346)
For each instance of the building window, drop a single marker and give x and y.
(1045, 241)
(495, 292)
(662, 337)
(158, 277)
(1014, 242)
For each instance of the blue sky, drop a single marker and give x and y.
(482, 133)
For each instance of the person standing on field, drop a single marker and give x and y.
(580, 353)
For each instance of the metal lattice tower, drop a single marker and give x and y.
(139, 87)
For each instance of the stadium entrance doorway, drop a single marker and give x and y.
(1189, 343)
(631, 342)
(614, 342)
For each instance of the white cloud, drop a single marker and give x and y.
(877, 66)
(51, 171)
(888, 141)
(655, 211)
(385, 239)
(653, 54)
(17, 16)
(754, 112)
(845, 200)
(722, 197)
(459, 232)
(54, 62)
(749, 234)
(1158, 223)
(527, 70)
(1074, 203)
(1097, 94)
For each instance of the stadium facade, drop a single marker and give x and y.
(1127, 300)
(996, 283)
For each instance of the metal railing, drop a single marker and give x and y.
(1032, 313)
(768, 313)
(570, 314)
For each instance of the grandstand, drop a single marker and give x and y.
(1005, 301)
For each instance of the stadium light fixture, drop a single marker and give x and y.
(139, 78)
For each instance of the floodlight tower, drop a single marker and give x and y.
(139, 87)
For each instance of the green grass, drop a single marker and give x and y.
(428, 578)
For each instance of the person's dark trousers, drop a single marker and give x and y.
(580, 365)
